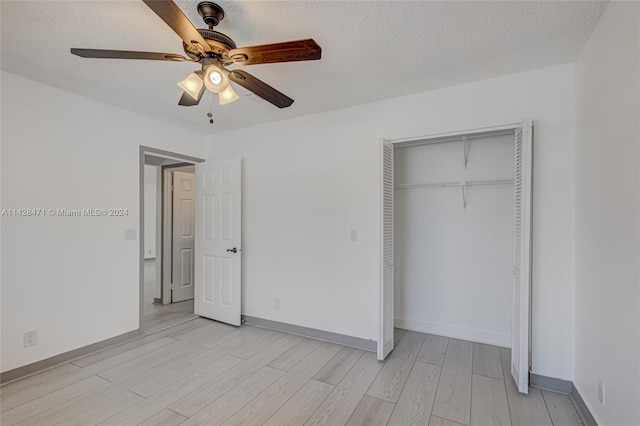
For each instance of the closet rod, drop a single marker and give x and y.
(460, 183)
(453, 138)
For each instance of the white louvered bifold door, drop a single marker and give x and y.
(385, 343)
(520, 348)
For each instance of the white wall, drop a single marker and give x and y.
(74, 279)
(453, 265)
(150, 210)
(607, 213)
(308, 181)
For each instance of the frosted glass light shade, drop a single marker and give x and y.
(227, 95)
(193, 85)
(215, 79)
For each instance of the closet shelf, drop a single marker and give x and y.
(459, 183)
(462, 184)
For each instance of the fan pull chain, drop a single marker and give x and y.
(210, 113)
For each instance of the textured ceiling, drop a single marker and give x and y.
(371, 50)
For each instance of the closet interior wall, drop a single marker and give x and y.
(453, 262)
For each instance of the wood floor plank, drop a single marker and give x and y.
(293, 356)
(192, 332)
(177, 351)
(244, 335)
(166, 376)
(561, 409)
(165, 418)
(397, 336)
(157, 317)
(371, 412)
(389, 383)
(438, 421)
(453, 398)
(76, 406)
(433, 350)
(43, 403)
(489, 402)
(97, 413)
(153, 320)
(167, 396)
(486, 361)
(11, 388)
(159, 311)
(416, 400)
(339, 366)
(114, 350)
(75, 376)
(209, 331)
(525, 410)
(344, 399)
(140, 341)
(178, 330)
(166, 321)
(297, 410)
(228, 404)
(259, 344)
(102, 395)
(197, 400)
(268, 402)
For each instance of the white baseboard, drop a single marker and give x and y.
(478, 336)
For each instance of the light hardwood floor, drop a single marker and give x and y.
(157, 316)
(206, 373)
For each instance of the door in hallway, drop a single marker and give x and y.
(182, 265)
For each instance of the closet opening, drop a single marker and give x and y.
(456, 239)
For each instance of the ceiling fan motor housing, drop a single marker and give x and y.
(220, 43)
(211, 13)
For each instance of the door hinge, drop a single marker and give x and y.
(172, 187)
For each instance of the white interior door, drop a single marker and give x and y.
(183, 227)
(385, 342)
(521, 336)
(218, 238)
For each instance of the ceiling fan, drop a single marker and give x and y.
(215, 51)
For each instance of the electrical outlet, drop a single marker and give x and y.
(354, 235)
(276, 303)
(601, 393)
(30, 338)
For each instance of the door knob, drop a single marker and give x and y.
(233, 250)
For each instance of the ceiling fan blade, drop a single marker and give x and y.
(171, 14)
(128, 54)
(300, 50)
(260, 88)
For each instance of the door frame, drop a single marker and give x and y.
(412, 141)
(171, 156)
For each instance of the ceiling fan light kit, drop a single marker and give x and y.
(193, 85)
(227, 95)
(215, 77)
(215, 51)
